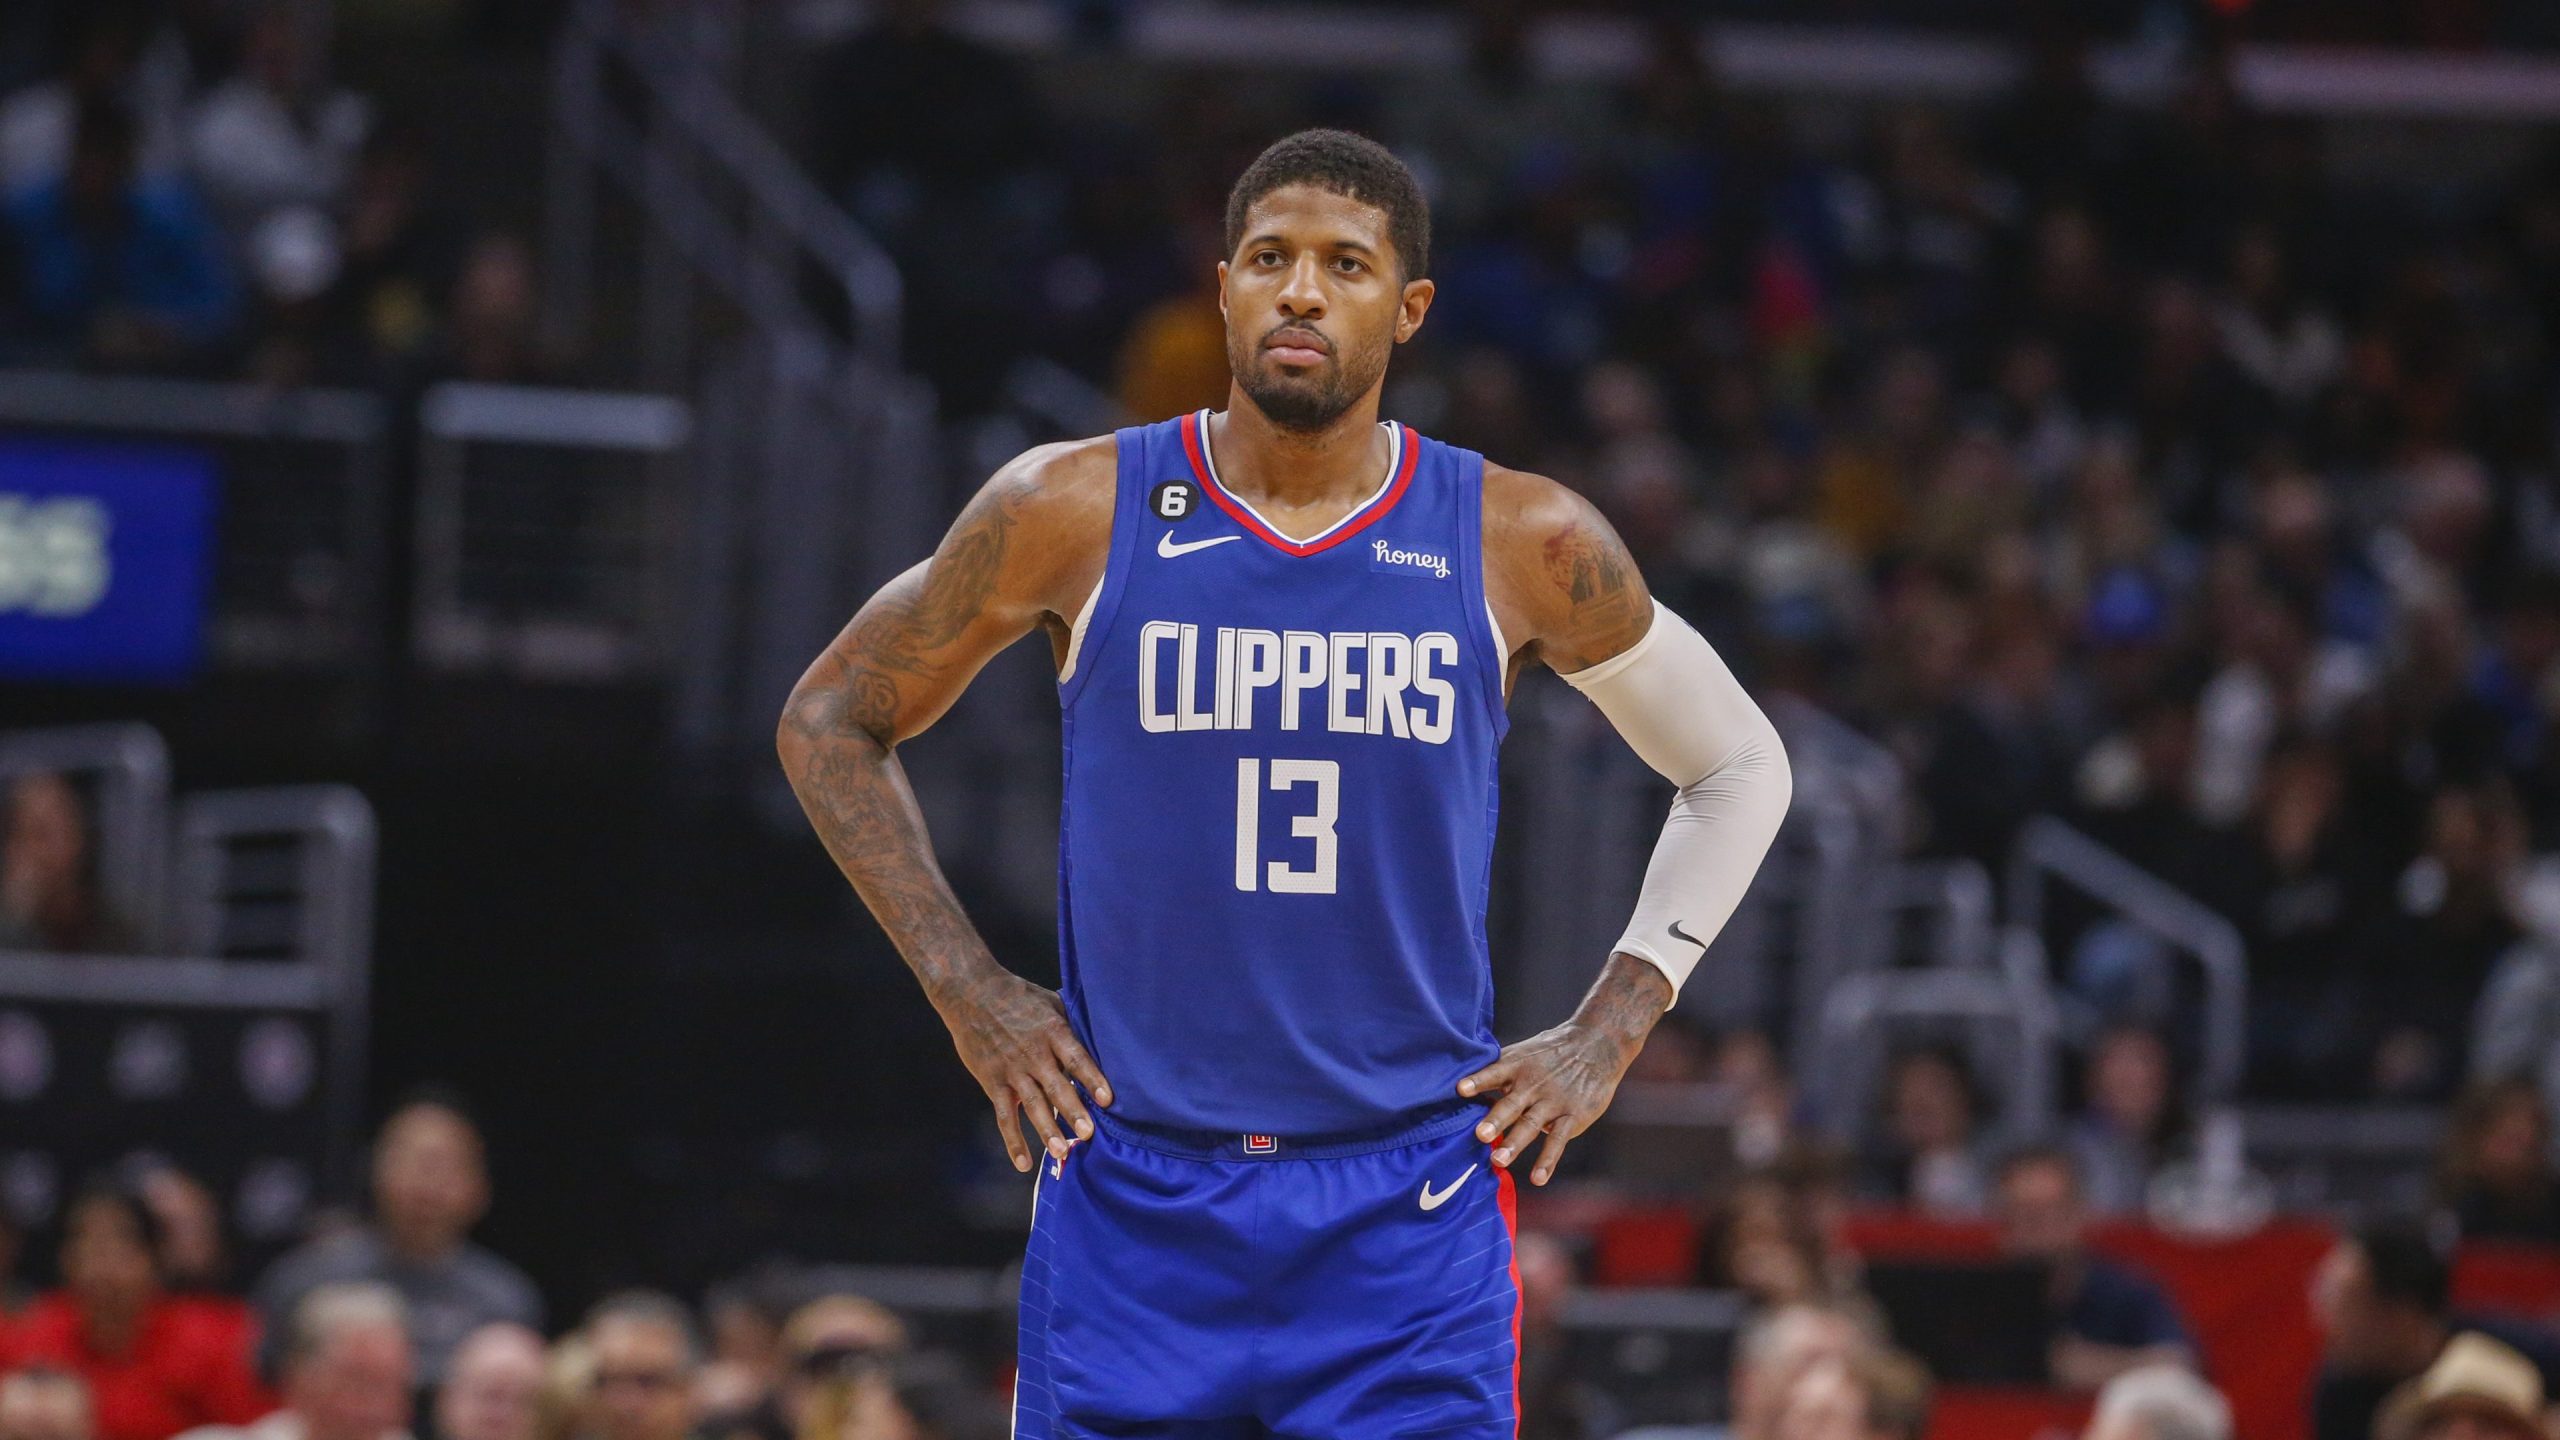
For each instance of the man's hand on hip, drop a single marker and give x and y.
(1559, 1081)
(1014, 1038)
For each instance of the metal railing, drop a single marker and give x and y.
(816, 471)
(1862, 1010)
(1953, 899)
(2048, 848)
(692, 142)
(270, 936)
(545, 525)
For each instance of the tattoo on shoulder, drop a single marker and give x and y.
(1598, 580)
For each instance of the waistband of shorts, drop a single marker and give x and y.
(1431, 1123)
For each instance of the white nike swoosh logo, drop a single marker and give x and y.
(1434, 1202)
(1166, 548)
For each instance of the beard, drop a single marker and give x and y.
(1307, 401)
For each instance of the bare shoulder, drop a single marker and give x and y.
(1046, 515)
(1066, 486)
(1557, 568)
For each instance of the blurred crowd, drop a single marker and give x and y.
(184, 190)
(394, 1323)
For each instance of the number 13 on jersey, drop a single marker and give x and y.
(1279, 876)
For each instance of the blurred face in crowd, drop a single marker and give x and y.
(2465, 1422)
(493, 310)
(1546, 1273)
(2129, 1080)
(493, 1387)
(2040, 1216)
(190, 1227)
(2300, 797)
(2514, 1135)
(1763, 1256)
(44, 1405)
(2367, 1334)
(355, 1386)
(1315, 299)
(1826, 1402)
(826, 1335)
(1748, 1063)
(429, 1184)
(1930, 1108)
(2474, 836)
(643, 1380)
(1797, 1341)
(46, 845)
(107, 1261)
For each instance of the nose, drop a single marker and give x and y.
(1303, 295)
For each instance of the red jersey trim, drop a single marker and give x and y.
(1194, 446)
(1509, 1201)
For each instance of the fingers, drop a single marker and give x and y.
(1505, 1111)
(1516, 1140)
(1062, 1097)
(1010, 1129)
(1035, 1104)
(1492, 1077)
(1560, 1133)
(1072, 1055)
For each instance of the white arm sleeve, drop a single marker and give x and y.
(1673, 699)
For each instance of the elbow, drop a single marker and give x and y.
(1782, 773)
(818, 715)
(806, 717)
(790, 739)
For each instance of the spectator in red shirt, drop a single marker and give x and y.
(155, 1363)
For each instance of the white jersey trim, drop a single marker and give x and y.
(1395, 462)
(1075, 632)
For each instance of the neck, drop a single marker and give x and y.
(419, 1249)
(1263, 461)
(2418, 1344)
(111, 1329)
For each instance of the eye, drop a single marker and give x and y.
(1260, 256)
(1349, 265)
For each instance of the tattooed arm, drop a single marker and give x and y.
(1026, 551)
(1568, 596)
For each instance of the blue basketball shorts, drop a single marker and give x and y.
(1208, 1287)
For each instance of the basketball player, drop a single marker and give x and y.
(1277, 1197)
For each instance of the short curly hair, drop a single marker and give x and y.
(1352, 166)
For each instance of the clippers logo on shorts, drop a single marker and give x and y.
(1388, 555)
(1261, 1144)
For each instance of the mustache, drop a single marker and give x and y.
(1296, 327)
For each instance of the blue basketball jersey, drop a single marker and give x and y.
(1279, 799)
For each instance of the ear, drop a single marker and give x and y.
(1415, 305)
(1222, 289)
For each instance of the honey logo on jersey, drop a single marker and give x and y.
(1387, 555)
